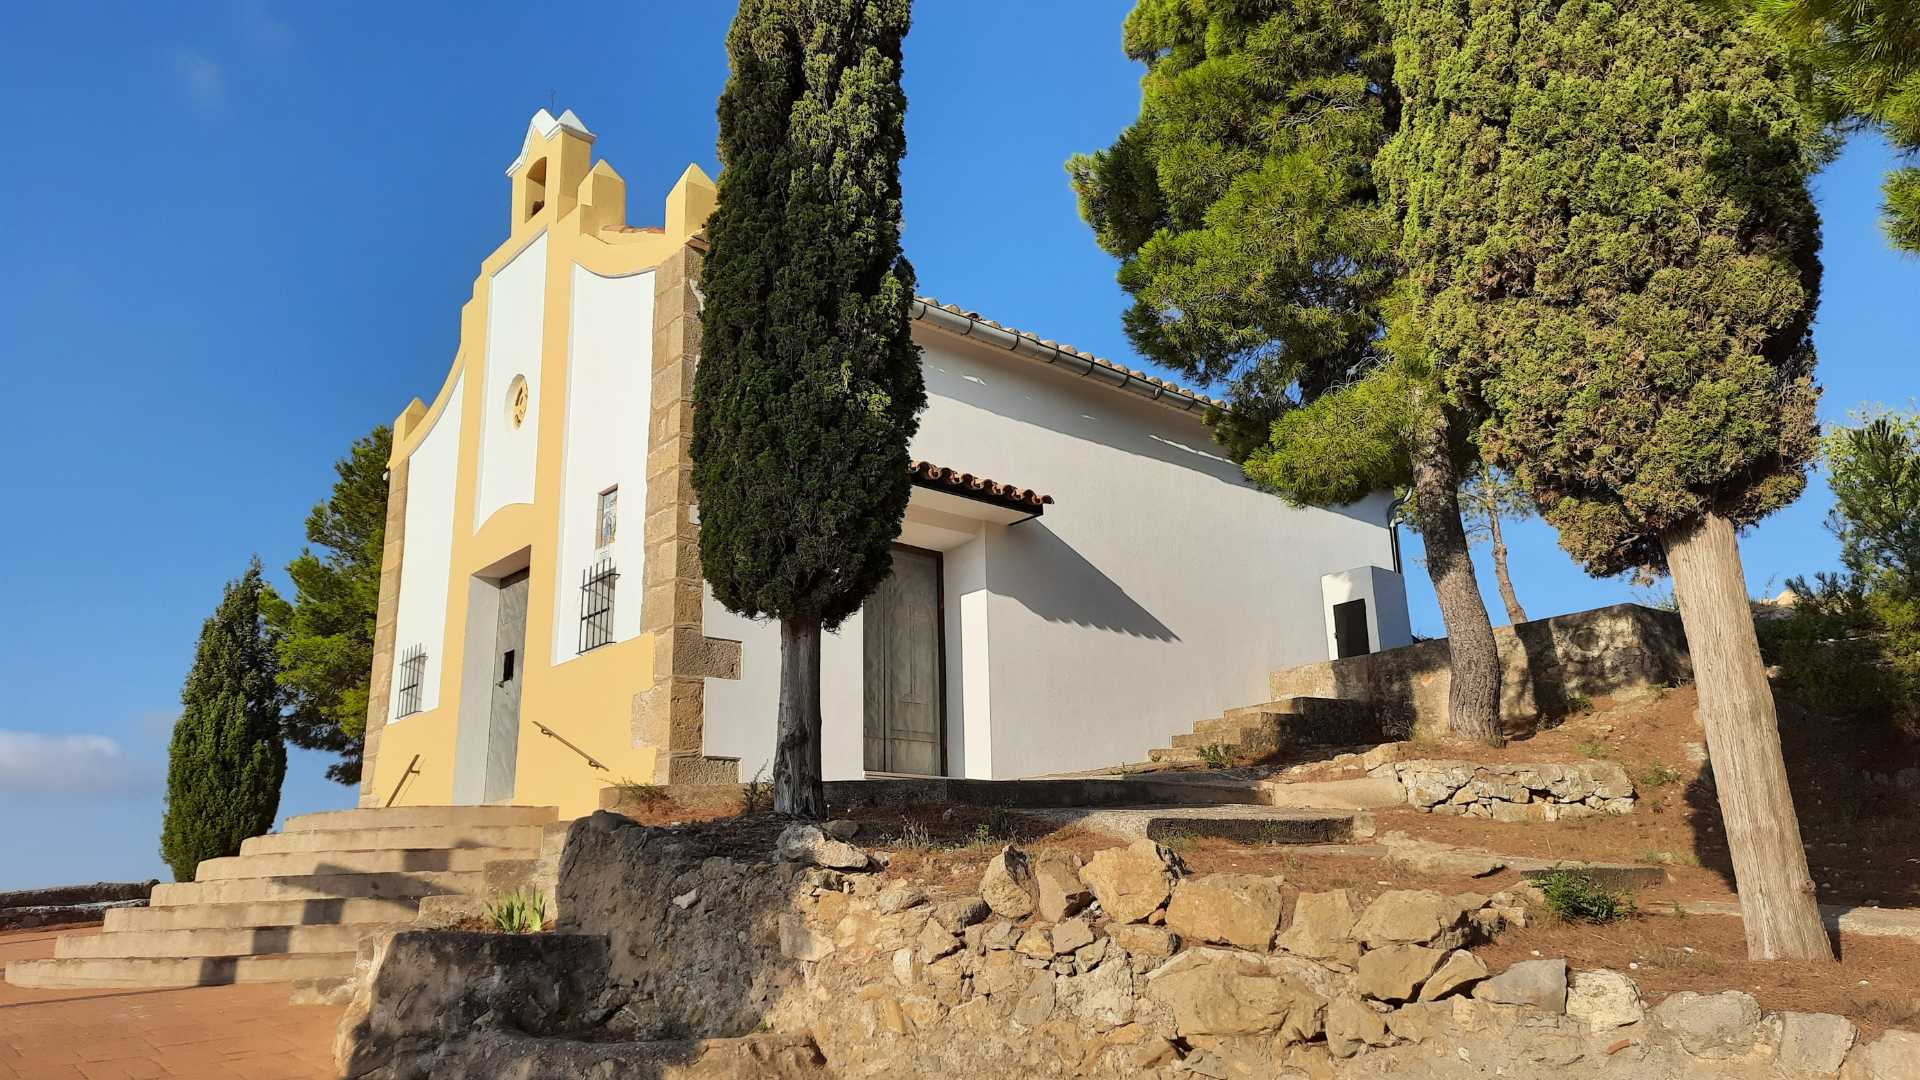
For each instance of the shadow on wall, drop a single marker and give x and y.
(1052, 580)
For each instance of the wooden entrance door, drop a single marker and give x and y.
(509, 672)
(905, 693)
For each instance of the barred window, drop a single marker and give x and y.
(413, 672)
(596, 605)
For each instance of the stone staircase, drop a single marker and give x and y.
(294, 905)
(1263, 731)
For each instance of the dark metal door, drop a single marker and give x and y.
(905, 696)
(1350, 629)
(509, 671)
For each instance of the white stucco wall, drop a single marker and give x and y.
(1160, 588)
(516, 316)
(609, 393)
(1388, 624)
(420, 617)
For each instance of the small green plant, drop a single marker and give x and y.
(1216, 756)
(522, 911)
(1577, 896)
(1177, 840)
(1658, 774)
(639, 794)
(756, 794)
(1000, 826)
(1595, 749)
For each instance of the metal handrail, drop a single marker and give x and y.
(410, 771)
(563, 741)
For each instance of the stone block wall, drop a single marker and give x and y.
(1547, 665)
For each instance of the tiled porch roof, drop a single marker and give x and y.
(940, 478)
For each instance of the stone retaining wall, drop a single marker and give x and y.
(1516, 792)
(686, 954)
(1546, 666)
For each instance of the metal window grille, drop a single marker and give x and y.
(413, 672)
(596, 605)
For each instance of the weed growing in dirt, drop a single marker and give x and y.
(1886, 1011)
(522, 911)
(1215, 756)
(756, 794)
(1658, 774)
(1178, 840)
(913, 837)
(639, 794)
(1682, 959)
(1577, 896)
(1595, 749)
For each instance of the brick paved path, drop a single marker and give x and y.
(203, 1033)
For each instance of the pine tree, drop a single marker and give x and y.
(226, 762)
(1252, 237)
(325, 636)
(809, 385)
(1863, 57)
(1606, 217)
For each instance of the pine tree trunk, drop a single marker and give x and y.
(1473, 701)
(1743, 738)
(797, 787)
(1515, 613)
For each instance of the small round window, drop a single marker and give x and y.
(517, 400)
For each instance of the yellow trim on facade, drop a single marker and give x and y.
(588, 699)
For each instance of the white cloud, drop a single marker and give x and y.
(65, 764)
(205, 81)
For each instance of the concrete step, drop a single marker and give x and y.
(1247, 824)
(1175, 755)
(525, 837)
(250, 941)
(89, 972)
(317, 887)
(1358, 794)
(403, 817)
(311, 863)
(330, 912)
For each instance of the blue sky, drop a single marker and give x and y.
(237, 235)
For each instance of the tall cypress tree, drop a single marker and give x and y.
(1607, 221)
(1243, 206)
(809, 385)
(226, 762)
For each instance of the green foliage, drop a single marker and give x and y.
(1215, 756)
(1862, 61)
(1658, 774)
(326, 634)
(809, 385)
(226, 761)
(1488, 494)
(1845, 652)
(522, 911)
(1352, 441)
(1242, 203)
(1606, 217)
(1875, 476)
(1577, 896)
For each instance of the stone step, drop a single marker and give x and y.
(312, 863)
(89, 972)
(234, 916)
(1177, 755)
(249, 941)
(525, 837)
(1247, 824)
(401, 817)
(1367, 793)
(317, 887)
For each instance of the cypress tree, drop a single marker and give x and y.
(1243, 206)
(226, 761)
(809, 385)
(1609, 231)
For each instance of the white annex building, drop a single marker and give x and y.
(1081, 573)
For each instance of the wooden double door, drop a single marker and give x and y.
(902, 627)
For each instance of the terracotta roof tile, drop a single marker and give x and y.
(927, 474)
